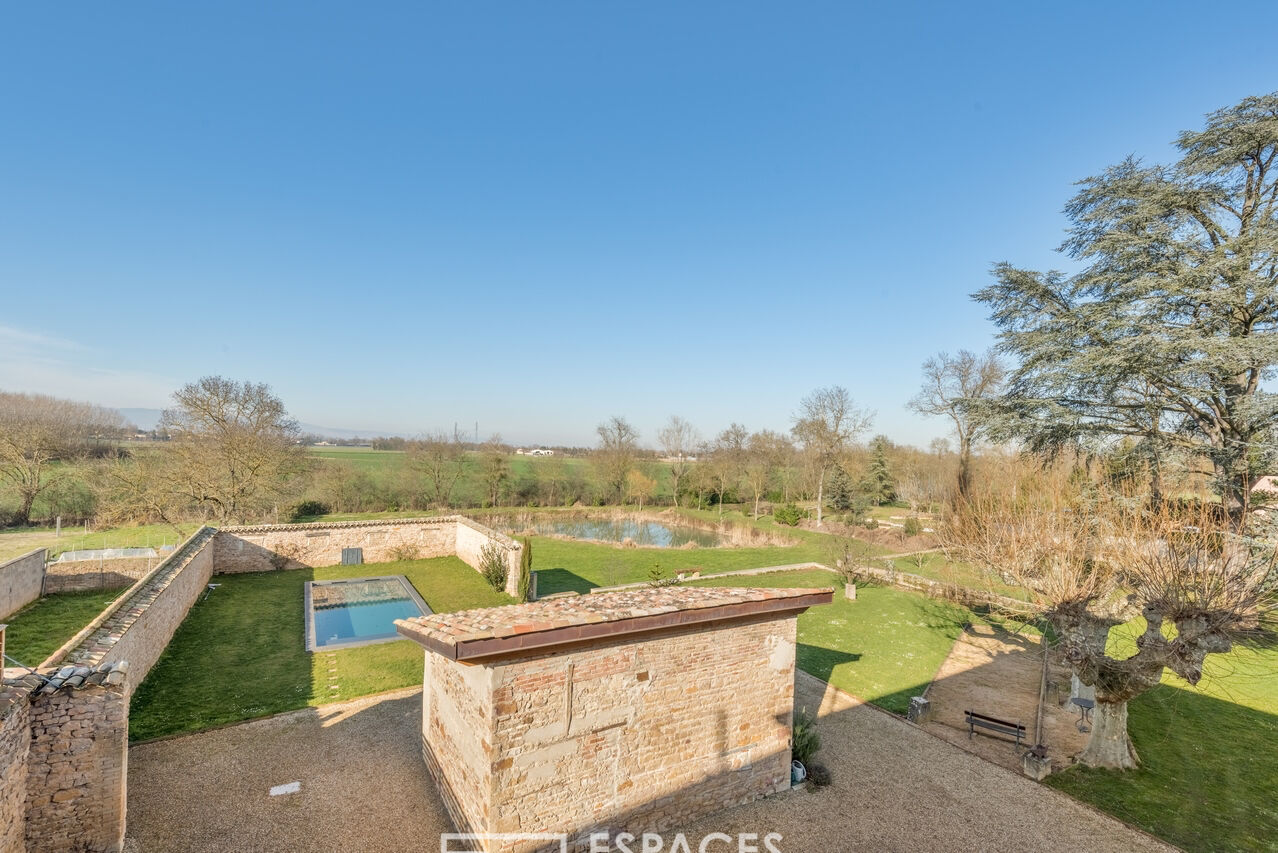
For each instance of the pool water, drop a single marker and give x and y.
(360, 611)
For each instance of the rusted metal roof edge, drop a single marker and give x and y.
(476, 651)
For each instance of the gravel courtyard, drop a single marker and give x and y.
(363, 787)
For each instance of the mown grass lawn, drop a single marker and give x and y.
(1209, 774)
(17, 541)
(240, 653)
(39, 629)
(884, 647)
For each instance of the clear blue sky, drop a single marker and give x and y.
(537, 215)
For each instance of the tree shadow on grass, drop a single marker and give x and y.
(820, 661)
(551, 581)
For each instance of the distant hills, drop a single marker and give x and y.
(146, 419)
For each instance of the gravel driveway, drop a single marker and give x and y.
(363, 787)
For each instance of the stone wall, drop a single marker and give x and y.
(21, 580)
(15, 741)
(77, 575)
(140, 623)
(75, 798)
(632, 711)
(268, 547)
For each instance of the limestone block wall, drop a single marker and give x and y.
(456, 720)
(624, 711)
(75, 797)
(21, 580)
(76, 575)
(138, 625)
(652, 734)
(470, 541)
(15, 741)
(267, 547)
(290, 546)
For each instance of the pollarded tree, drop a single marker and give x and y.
(234, 450)
(955, 387)
(826, 423)
(1094, 561)
(1170, 329)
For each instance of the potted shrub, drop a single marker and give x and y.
(804, 743)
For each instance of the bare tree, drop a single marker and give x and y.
(1095, 561)
(827, 422)
(494, 468)
(234, 449)
(37, 431)
(678, 440)
(765, 451)
(618, 444)
(441, 458)
(954, 387)
(726, 461)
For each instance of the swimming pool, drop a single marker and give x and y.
(359, 611)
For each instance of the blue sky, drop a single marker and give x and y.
(537, 215)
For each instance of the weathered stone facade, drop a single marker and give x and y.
(623, 711)
(21, 580)
(78, 764)
(15, 742)
(268, 547)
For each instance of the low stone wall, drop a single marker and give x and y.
(140, 623)
(267, 547)
(77, 575)
(15, 741)
(21, 580)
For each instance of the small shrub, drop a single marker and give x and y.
(405, 552)
(492, 565)
(818, 775)
(912, 527)
(789, 514)
(308, 509)
(804, 740)
(657, 577)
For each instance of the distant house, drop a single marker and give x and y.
(541, 451)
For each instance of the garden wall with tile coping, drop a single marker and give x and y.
(267, 547)
(21, 581)
(77, 575)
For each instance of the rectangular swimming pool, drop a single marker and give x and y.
(359, 611)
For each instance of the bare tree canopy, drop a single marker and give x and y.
(37, 431)
(234, 451)
(1168, 332)
(678, 441)
(441, 458)
(827, 422)
(1092, 560)
(618, 445)
(955, 386)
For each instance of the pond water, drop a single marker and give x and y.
(651, 534)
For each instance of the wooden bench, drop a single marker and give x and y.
(993, 724)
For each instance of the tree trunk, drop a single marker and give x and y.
(756, 507)
(820, 494)
(1110, 746)
(965, 466)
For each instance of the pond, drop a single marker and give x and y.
(650, 534)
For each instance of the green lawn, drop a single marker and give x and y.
(1220, 734)
(884, 647)
(39, 629)
(241, 653)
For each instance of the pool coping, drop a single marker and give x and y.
(309, 612)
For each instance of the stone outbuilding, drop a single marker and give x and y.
(626, 711)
